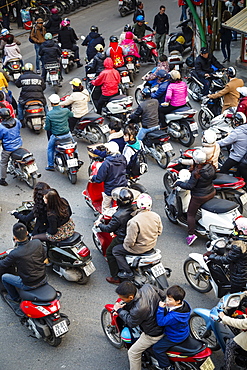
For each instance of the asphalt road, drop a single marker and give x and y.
(85, 346)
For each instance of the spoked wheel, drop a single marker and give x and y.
(138, 96)
(204, 119)
(186, 138)
(72, 176)
(168, 180)
(196, 89)
(97, 243)
(198, 329)
(198, 280)
(162, 157)
(95, 135)
(110, 331)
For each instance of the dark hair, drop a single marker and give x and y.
(2, 96)
(226, 15)
(196, 167)
(116, 126)
(162, 7)
(10, 39)
(56, 204)
(131, 129)
(163, 58)
(38, 194)
(126, 288)
(78, 88)
(20, 231)
(139, 3)
(176, 292)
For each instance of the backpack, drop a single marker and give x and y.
(137, 165)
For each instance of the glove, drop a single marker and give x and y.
(207, 254)
(212, 256)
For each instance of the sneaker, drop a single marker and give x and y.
(8, 298)
(3, 182)
(190, 239)
(50, 168)
(125, 275)
(79, 65)
(225, 60)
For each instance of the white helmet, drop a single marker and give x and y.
(242, 90)
(4, 32)
(184, 175)
(144, 201)
(199, 156)
(54, 98)
(241, 224)
(112, 147)
(209, 137)
(175, 75)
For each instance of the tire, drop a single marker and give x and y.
(84, 3)
(204, 120)
(122, 12)
(99, 136)
(43, 13)
(31, 181)
(196, 89)
(198, 329)
(72, 6)
(185, 366)
(138, 96)
(164, 157)
(202, 283)
(110, 331)
(97, 243)
(168, 180)
(56, 88)
(187, 138)
(171, 214)
(66, 70)
(53, 340)
(72, 176)
(84, 279)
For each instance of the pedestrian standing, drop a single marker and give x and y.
(4, 5)
(161, 27)
(236, 10)
(139, 11)
(226, 37)
(38, 37)
(184, 6)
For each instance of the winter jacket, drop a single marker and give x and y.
(32, 87)
(129, 46)
(67, 37)
(139, 31)
(41, 223)
(175, 322)
(3, 81)
(50, 52)
(238, 139)
(10, 136)
(29, 258)
(161, 24)
(160, 94)
(117, 137)
(203, 185)
(242, 105)
(142, 232)
(138, 12)
(130, 149)
(236, 258)
(203, 65)
(112, 172)
(115, 52)
(78, 101)
(176, 94)
(118, 223)
(241, 338)
(38, 33)
(141, 310)
(225, 34)
(147, 111)
(108, 79)
(11, 51)
(54, 221)
(97, 64)
(3, 41)
(93, 39)
(57, 120)
(230, 93)
(53, 25)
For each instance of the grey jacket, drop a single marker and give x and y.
(147, 111)
(238, 139)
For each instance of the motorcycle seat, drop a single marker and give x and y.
(151, 251)
(216, 205)
(188, 347)
(74, 239)
(18, 154)
(90, 116)
(63, 141)
(44, 293)
(118, 97)
(33, 102)
(223, 178)
(156, 134)
(184, 109)
(14, 60)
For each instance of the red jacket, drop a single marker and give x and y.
(242, 105)
(108, 79)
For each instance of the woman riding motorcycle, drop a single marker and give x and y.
(67, 38)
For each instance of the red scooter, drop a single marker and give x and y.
(148, 49)
(190, 354)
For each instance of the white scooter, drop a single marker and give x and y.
(214, 218)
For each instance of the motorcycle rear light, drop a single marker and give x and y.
(129, 59)
(34, 110)
(191, 115)
(125, 73)
(30, 162)
(69, 151)
(53, 72)
(84, 252)
(174, 60)
(15, 66)
(165, 138)
(128, 105)
(65, 53)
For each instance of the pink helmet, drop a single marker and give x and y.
(64, 23)
(54, 11)
(241, 223)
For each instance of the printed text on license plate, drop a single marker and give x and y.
(89, 269)
(72, 162)
(60, 328)
(193, 126)
(166, 147)
(158, 270)
(32, 168)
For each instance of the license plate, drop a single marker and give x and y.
(130, 66)
(125, 79)
(158, 270)
(166, 147)
(17, 75)
(193, 126)
(32, 168)
(120, 3)
(72, 162)
(60, 328)
(243, 198)
(104, 128)
(65, 61)
(207, 365)
(89, 268)
(54, 77)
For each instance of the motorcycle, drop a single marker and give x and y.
(217, 82)
(210, 108)
(130, 63)
(190, 354)
(126, 7)
(185, 38)
(66, 158)
(148, 49)
(23, 166)
(223, 123)
(175, 60)
(125, 80)
(226, 186)
(67, 59)
(34, 115)
(53, 75)
(14, 68)
(206, 326)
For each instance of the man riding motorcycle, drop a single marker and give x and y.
(50, 52)
(92, 39)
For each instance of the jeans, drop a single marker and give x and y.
(226, 49)
(160, 349)
(11, 282)
(160, 40)
(20, 109)
(52, 145)
(38, 59)
(184, 12)
(143, 131)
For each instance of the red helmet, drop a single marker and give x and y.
(54, 11)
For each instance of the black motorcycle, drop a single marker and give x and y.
(126, 7)
(181, 41)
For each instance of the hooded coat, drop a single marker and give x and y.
(108, 79)
(97, 64)
(38, 32)
(238, 141)
(32, 87)
(129, 46)
(10, 134)
(115, 52)
(50, 51)
(93, 39)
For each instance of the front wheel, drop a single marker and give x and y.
(204, 119)
(138, 95)
(162, 158)
(197, 92)
(198, 329)
(95, 135)
(111, 331)
(168, 180)
(187, 138)
(72, 176)
(198, 280)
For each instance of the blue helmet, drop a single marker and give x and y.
(140, 18)
(146, 92)
(125, 335)
(161, 73)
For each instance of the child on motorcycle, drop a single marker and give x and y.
(173, 315)
(132, 143)
(116, 135)
(11, 51)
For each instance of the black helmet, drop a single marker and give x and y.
(161, 73)
(94, 29)
(239, 118)
(231, 72)
(113, 39)
(127, 28)
(146, 92)
(125, 197)
(5, 113)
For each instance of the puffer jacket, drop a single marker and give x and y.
(141, 310)
(57, 120)
(176, 93)
(238, 139)
(32, 87)
(118, 222)
(93, 39)
(10, 134)
(148, 112)
(108, 79)
(50, 51)
(53, 25)
(237, 260)
(160, 94)
(212, 152)
(112, 172)
(78, 101)
(203, 185)
(67, 37)
(97, 64)
(203, 65)
(242, 105)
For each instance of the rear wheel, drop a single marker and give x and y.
(95, 135)
(138, 96)
(186, 138)
(84, 278)
(111, 332)
(56, 89)
(31, 180)
(122, 12)
(66, 70)
(204, 119)
(198, 280)
(72, 176)
(198, 329)
(162, 157)
(53, 341)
